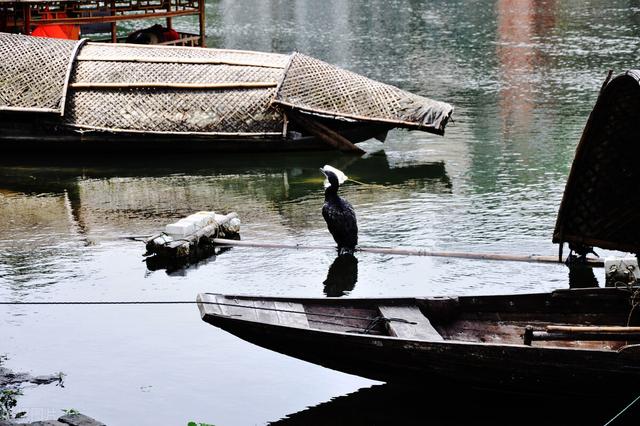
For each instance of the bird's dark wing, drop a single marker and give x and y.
(342, 223)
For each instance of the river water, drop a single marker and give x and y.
(522, 76)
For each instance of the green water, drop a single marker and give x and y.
(522, 76)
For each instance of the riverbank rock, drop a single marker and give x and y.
(8, 377)
(66, 420)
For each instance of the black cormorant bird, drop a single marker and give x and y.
(581, 250)
(338, 212)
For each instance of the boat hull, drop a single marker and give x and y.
(448, 363)
(85, 92)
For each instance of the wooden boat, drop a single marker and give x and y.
(64, 94)
(572, 342)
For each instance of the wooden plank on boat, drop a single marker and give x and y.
(323, 133)
(265, 311)
(422, 329)
(591, 329)
(208, 305)
(243, 309)
(287, 317)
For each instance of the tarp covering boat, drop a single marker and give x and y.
(600, 202)
(136, 89)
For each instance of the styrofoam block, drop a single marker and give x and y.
(617, 269)
(202, 218)
(620, 262)
(190, 224)
(180, 228)
(195, 220)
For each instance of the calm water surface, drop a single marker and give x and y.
(523, 77)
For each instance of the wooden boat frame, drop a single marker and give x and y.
(96, 94)
(452, 356)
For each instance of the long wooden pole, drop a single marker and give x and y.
(162, 85)
(410, 252)
(201, 22)
(591, 329)
(169, 60)
(324, 133)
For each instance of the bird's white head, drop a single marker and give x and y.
(342, 178)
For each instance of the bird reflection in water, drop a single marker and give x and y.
(342, 276)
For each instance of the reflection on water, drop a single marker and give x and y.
(73, 205)
(101, 200)
(342, 276)
(390, 405)
(522, 76)
(200, 256)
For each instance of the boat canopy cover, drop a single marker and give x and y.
(601, 201)
(318, 87)
(184, 90)
(34, 72)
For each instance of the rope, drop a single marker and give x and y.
(623, 410)
(176, 302)
(367, 184)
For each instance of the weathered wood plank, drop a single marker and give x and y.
(289, 318)
(206, 306)
(422, 330)
(244, 310)
(263, 312)
(323, 133)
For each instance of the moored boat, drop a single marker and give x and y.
(61, 94)
(573, 342)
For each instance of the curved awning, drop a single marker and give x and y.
(317, 87)
(601, 201)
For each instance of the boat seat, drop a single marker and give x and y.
(421, 330)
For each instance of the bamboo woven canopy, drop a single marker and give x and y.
(601, 202)
(130, 89)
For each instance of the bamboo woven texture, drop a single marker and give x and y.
(135, 72)
(601, 203)
(33, 72)
(229, 111)
(132, 52)
(175, 111)
(316, 86)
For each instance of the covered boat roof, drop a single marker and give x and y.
(184, 90)
(318, 87)
(601, 202)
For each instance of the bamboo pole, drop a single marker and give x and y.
(115, 18)
(29, 109)
(324, 133)
(591, 329)
(162, 85)
(231, 135)
(410, 252)
(170, 60)
(114, 25)
(201, 22)
(67, 78)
